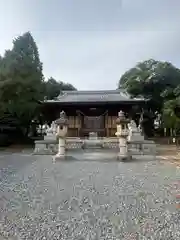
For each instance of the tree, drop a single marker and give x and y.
(152, 80)
(170, 118)
(53, 88)
(21, 80)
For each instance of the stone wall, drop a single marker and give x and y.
(135, 148)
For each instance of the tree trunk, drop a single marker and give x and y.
(27, 129)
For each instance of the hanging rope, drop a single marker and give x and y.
(96, 116)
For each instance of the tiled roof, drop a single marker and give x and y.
(93, 96)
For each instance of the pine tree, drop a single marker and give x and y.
(21, 80)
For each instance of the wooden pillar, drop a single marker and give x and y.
(78, 120)
(106, 125)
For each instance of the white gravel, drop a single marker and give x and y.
(83, 200)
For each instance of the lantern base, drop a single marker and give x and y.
(124, 158)
(58, 157)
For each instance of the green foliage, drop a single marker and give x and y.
(22, 85)
(152, 80)
(177, 91)
(170, 118)
(53, 88)
(160, 83)
(171, 108)
(21, 79)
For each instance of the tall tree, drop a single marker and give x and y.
(21, 80)
(152, 79)
(53, 88)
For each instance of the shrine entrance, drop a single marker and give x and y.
(94, 124)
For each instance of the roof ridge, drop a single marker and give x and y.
(78, 92)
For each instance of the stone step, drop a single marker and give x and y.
(92, 144)
(87, 146)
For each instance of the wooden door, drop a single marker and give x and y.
(93, 124)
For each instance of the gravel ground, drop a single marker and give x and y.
(78, 200)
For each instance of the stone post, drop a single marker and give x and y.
(62, 129)
(122, 133)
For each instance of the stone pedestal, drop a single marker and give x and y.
(62, 124)
(122, 133)
(50, 137)
(137, 144)
(135, 136)
(123, 154)
(134, 133)
(61, 149)
(123, 151)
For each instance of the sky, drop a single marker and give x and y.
(91, 43)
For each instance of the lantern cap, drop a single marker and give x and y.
(62, 120)
(121, 118)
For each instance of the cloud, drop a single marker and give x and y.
(98, 60)
(92, 43)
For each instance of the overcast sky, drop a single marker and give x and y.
(91, 43)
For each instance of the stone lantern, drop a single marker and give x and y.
(62, 129)
(122, 133)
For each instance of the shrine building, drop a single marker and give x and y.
(91, 111)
